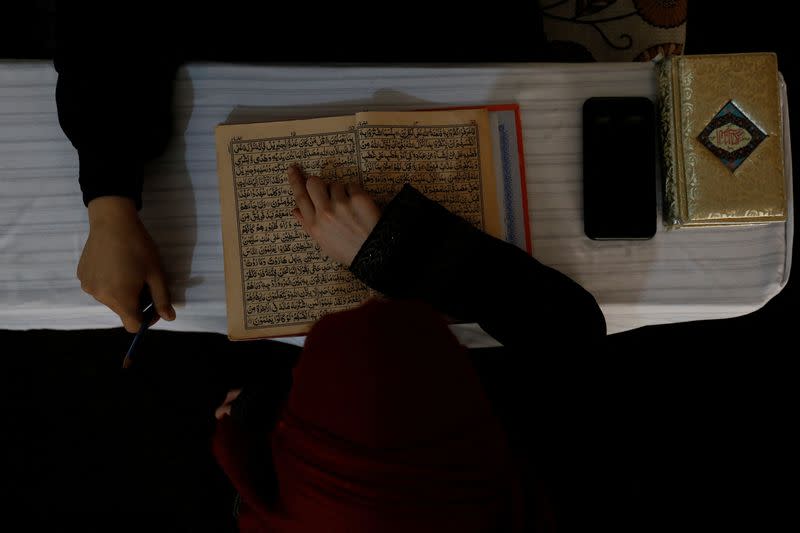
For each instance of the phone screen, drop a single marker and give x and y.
(619, 168)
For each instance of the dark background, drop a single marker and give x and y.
(709, 447)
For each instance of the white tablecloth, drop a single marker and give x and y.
(677, 276)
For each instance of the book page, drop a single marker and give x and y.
(446, 155)
(277, 281)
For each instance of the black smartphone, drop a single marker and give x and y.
(619, 168)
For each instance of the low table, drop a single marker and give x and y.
(683, 275)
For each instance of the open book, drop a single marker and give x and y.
(277, 281)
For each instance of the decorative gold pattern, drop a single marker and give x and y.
(699, 189)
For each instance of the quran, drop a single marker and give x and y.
(277, 282)
(722, 139)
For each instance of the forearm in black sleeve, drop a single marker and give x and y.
(114, 92)
(418, 249)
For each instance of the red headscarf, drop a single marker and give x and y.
(386, 429)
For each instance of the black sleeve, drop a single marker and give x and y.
(418, 249)
(114, 91)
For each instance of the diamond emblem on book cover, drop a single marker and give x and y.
(731, 136)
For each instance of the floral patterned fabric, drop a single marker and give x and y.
(614, 30)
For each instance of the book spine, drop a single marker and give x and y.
(686, 176)
(669, 110)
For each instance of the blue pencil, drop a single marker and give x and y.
(148, 314)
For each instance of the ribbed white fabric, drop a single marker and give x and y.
(680, 275)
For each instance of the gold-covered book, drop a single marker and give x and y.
(722, 140)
